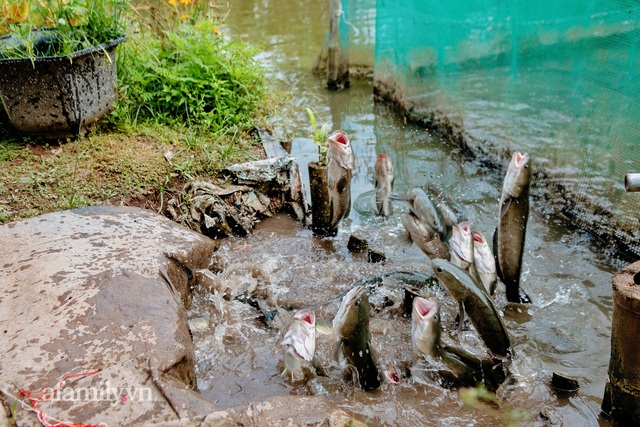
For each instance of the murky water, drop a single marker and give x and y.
(567, 328)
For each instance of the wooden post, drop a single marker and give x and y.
(622, 394)
(338, 57)
(320, 205)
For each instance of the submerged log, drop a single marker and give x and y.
(622, 394)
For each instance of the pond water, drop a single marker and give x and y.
(566, 329)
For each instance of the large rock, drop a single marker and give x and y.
(102, 289)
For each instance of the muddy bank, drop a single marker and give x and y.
(567, 202)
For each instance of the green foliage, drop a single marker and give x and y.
(66, 26)
(482, 399)
(190, 77)
(320, 136)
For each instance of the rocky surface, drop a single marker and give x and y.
(243, 195)
(102, 291)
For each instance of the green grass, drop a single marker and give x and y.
(191, 77)
(111, 168)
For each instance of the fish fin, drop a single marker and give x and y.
(342, 184)
(504, 207)
(324, 326)
(337, 351)
(268, 314)
(524, 298)
(398, 197)
(286, 372)
(495, 253)
(404, 241)
(309, 348)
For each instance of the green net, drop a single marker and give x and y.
(559, 79)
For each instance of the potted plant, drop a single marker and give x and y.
(57, 64)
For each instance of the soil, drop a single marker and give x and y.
(142, 168)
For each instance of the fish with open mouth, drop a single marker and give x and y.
(339, 171)
(425, 327)
(351, 324)
(462, 255)
(508, 239)
(383, 181)
(451, 366)
(300, 346)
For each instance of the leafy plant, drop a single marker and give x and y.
(191, 77)
(62, 26)
(319, 135)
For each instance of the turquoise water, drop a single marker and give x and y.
(557, 79)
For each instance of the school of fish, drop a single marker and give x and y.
(461, 260)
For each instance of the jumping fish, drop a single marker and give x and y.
(339, 171)
(383, 181)
(451, 212)
(508, 240)
(477, 305)
(451, 365)
(485, 262)
(300, 346)
(425, 327)
(426, 238)
(351, 324)
(421, 205)
(461, 247)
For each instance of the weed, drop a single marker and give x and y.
(319, 135)
(189, 78)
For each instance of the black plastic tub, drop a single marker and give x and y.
(54, 97)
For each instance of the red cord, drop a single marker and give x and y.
(34, 402)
